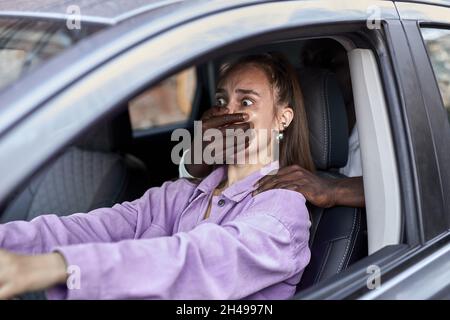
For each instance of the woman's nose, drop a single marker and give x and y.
(233, 107)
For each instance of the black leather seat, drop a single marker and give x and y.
(96, 172)
(338, 235)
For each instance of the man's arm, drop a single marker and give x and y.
(191, 170)
(349, 192)
(321, 192)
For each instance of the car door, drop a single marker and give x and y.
(427, 28)
(421, 270)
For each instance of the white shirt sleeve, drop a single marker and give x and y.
(182, 168)
(353, 168)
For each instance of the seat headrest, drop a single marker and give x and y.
(327, 117)
(112, 135)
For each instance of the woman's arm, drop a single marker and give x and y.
(123, 221)
(231, 261)
(210, 262)
(22, 273)
(266, 246)
(47, 231)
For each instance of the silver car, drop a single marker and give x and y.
(91, 92)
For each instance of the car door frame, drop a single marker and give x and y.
(68, 123)
(435, 222)
(419, 271)
(426, 275)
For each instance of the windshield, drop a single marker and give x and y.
(27, 43)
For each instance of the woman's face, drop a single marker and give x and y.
(247, 90)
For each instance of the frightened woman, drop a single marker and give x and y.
(186, 239)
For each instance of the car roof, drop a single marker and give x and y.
(113, 11)
(432, 2)
(99, 11)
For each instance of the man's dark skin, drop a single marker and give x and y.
(215, 118)
(319, 191)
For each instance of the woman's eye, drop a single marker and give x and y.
(247, 102)
(220, 102)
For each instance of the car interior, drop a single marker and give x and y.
(118, 160)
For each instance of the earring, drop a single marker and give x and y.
(280, 136)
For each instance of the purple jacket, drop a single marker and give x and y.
(159, 246)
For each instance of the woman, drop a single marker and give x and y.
(211, 240)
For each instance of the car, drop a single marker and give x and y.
(91, 93)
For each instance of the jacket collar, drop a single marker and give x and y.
(240, 189)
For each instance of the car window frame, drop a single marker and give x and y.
(435, 222)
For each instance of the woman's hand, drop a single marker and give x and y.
(321, 192)
(20, 274)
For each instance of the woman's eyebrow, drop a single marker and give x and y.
(248, 91)
(221, 91)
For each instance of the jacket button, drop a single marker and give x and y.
(221, 203)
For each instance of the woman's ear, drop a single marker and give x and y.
(285, 118)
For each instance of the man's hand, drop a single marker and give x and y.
(321, 192)
(216, 118)
(20, 274)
